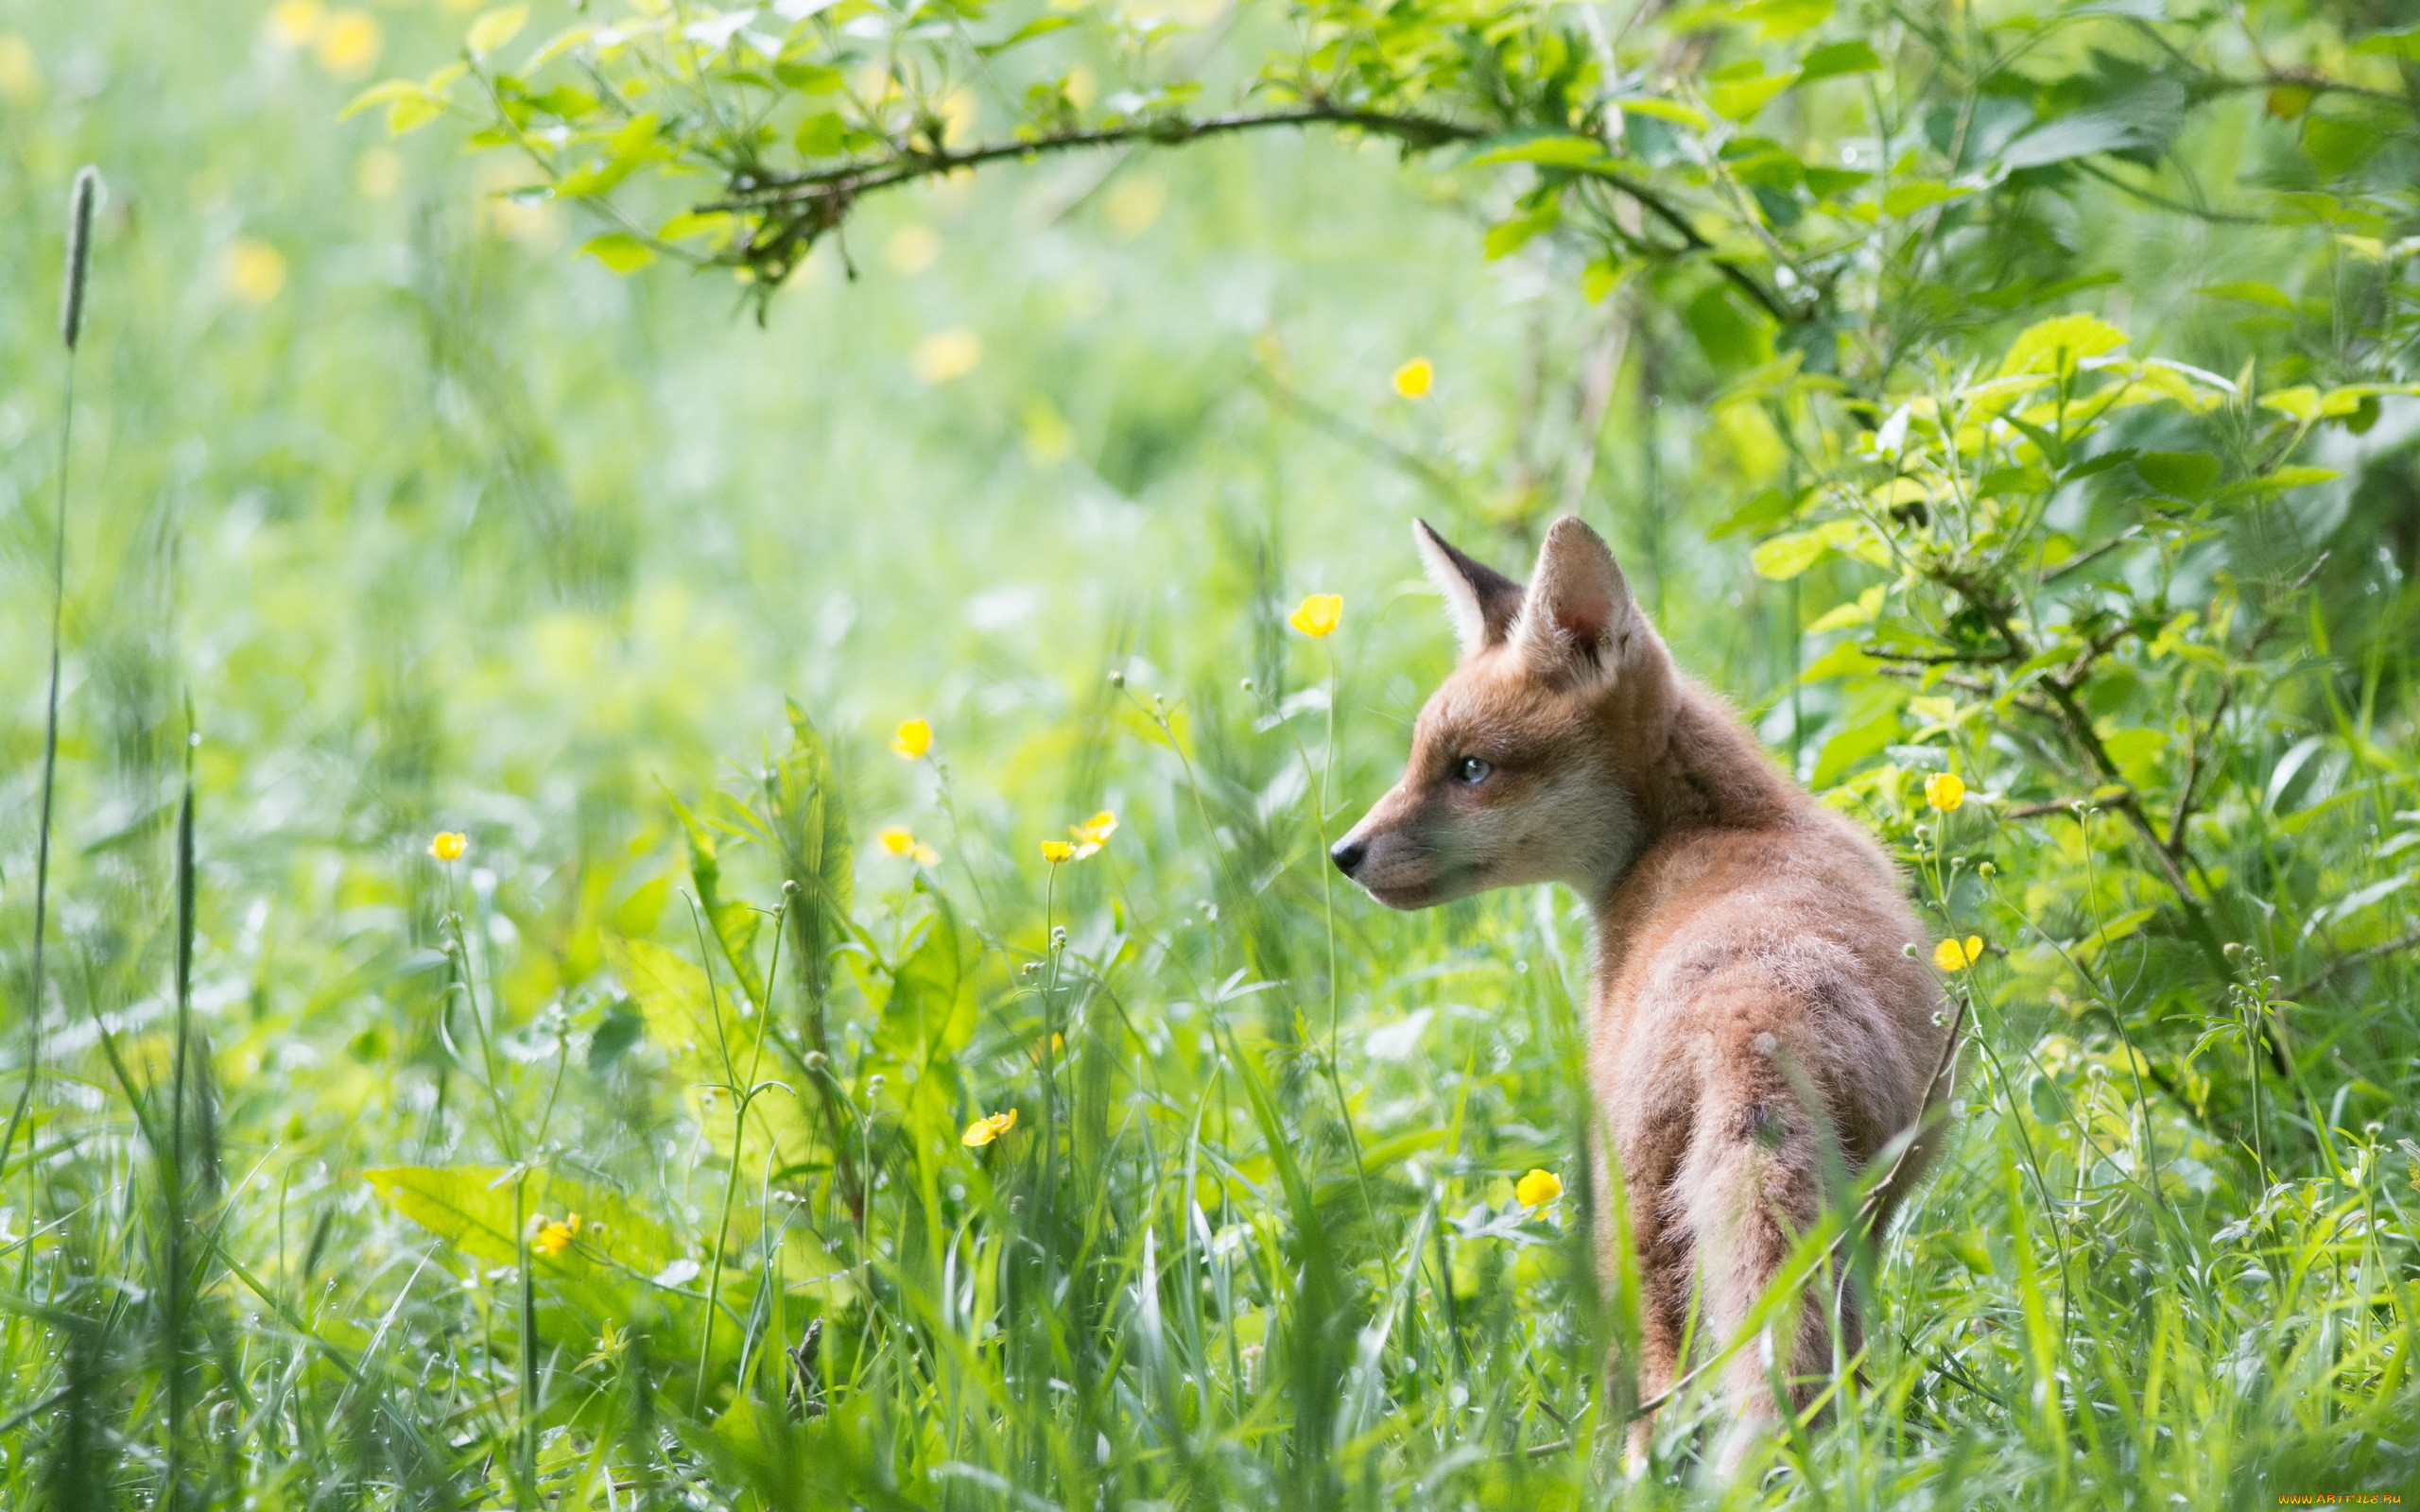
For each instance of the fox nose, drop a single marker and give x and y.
(1348, 855)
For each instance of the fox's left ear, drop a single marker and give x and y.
(1481, 600)
(1578, 613)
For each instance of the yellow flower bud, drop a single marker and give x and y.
(1537, 1189)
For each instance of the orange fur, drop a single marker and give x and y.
(1754, 997)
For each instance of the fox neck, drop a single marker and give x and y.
(1688, 763)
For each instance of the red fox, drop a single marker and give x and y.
(1755, 995)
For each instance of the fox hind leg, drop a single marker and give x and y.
(1749, 1188)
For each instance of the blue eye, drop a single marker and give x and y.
(1470, 771)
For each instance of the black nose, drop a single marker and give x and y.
(1347, 855)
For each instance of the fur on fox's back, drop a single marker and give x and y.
(1756, 996)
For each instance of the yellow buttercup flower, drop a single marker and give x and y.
(296, 23)
(946, 354)
(984, 1130)
(1056, 851)
(1319, 615)
(254, 271)
(349, 43)
(1094, 832)
(912, 739)
(1944, 791)
(1415, 378)
(554, 1238)
(450, 844)
(902, 842)
(1955, 955)
(1537, 1189)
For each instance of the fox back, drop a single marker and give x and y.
(1756, 997)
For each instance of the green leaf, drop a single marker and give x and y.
(1785, 556)
(2251, 293)
(2077, 135)
(732, 923)
(2180, 474)
(2404, 43)
(1858, 610)
(1599, 277)
(1740, 99)
(1826, 182)
(714, 223)
(1506, 238)
(2337, 144)
(810, 78)
(1548, 151)
(930, 1016)
(385, 93)
(2299, 403)
(473, 1208)
(2088, 949)
(2281, 480)
(1910, 196)
(620, 251)
(1862, 738)
(496, 28)
(1778, 20)
(718, 1056)
(1856, 56)
(820, 135)
(2055, 345)
(810, 830)
(1728, 337)
(1846, 660)
(1038, 26)
(1671, 111)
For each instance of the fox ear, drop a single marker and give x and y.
(1578, 611)
(1481, 600)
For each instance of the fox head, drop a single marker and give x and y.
(1524, 762)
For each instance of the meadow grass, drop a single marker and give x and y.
(387, 524)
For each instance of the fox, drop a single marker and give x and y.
(1760, 1022)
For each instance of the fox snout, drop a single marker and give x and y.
(1393, 858)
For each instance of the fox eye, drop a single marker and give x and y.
(1470, 771)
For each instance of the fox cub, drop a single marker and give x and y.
(1754, 997)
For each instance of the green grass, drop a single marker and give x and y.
(450, 532)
